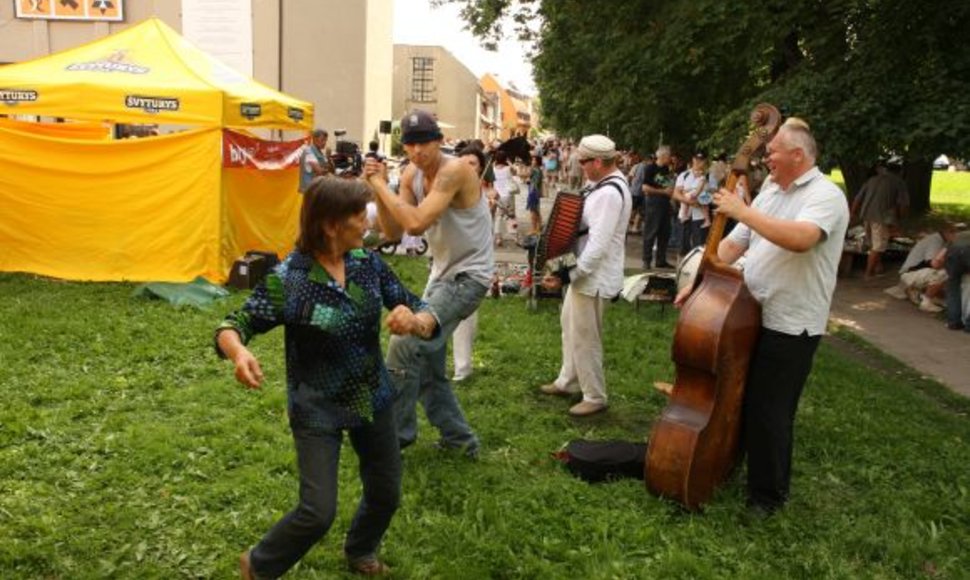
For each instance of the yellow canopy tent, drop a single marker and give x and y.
(146, 74)
(164, 209)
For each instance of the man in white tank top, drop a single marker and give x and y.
(441, 198)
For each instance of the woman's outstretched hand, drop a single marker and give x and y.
(402, 320)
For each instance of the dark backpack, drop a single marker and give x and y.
(598, 461)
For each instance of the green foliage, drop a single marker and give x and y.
(127, 450)
(872, 77)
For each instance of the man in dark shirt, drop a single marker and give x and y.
(657, 187)
(882, 203)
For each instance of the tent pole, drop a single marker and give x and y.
(279, 56)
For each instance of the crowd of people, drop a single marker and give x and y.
(673, 210)
(329, 292)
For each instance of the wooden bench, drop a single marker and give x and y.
(660, 289)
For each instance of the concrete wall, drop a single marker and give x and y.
(337, 54)
(379, 64)
(455, 99)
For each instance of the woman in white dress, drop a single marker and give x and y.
(463, 338)
(505, 187)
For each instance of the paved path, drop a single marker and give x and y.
(900, 329)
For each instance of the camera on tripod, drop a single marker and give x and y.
(346, 159)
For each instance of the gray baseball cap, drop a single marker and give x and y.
(419, 127)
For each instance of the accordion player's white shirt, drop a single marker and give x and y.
(601, 253)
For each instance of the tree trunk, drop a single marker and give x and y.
(918, 176)
(854, 174)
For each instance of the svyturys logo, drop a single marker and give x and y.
(152, 104)
(14, 96)
(250, 110)
(115, 62)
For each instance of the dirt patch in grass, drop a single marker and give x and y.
(864, 355)
(856, 349)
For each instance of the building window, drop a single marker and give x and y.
(422, 79)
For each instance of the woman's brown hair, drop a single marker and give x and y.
(328, 200)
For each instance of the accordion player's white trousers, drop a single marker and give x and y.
(582, 346)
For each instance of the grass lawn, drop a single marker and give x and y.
(127, 450)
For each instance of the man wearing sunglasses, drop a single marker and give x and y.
(596, 278)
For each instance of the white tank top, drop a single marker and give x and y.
(460, 240)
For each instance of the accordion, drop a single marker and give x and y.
(558, 239)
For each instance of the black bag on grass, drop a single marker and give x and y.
(598, 461)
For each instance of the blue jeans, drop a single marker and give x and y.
(318, 459)
(417, 368)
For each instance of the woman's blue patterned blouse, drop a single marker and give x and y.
(335, 371)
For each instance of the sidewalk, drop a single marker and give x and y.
(900, 329)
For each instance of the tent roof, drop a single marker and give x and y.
(147, 73)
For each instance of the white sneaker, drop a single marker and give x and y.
(460, 378)
(898, 292)
(914, 295)
(927, 305)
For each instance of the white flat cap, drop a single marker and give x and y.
(597, 147)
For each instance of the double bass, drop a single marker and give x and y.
(694, 444)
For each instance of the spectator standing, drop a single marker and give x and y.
(881, 204)
(551, 166)
(464, 337)
(314, 161)
(693, 214)
(505, 188)
(575, 170)
(535, 189)
(658, 186)
(636, 190)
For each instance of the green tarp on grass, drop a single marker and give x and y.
(199, 293)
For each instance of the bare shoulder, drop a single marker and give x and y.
(458, 179)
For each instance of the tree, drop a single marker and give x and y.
(874, 78)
